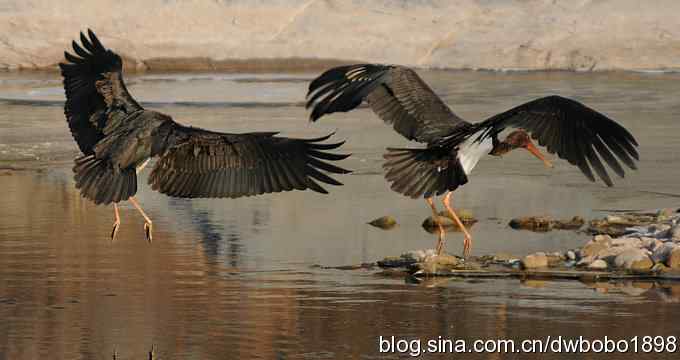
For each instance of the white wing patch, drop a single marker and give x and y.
(470, 151)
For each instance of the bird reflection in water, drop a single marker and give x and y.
(220, 236)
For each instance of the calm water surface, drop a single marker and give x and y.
(229, 279)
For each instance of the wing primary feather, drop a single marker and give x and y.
(607, 156)
(598, 166)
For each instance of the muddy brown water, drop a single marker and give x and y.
(229, 279)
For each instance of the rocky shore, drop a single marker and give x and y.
(647, 247)
(276, 35)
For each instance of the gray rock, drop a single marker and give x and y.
(598, 264)
(615, 219)
(437, 264)
(665, 214)
(554, 259)
(674, 232)
(585, 261)
(642, 264)
(505, 257)
(537, 260)
(662, 253)
(651, 244)
(611, 253)
(578, 254)
(659, 231)
(627, 241)
(659, 267)
(419, 255)
(633, 259)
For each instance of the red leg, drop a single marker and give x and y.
(435, 217)
(148, 225)
(467, 242)
(116, 224)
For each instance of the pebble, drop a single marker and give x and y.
(674, 232)
(633, 259)
(533, 223)
(554, 259)
(598, 264)
(585, 261)
(574, 224)
(385, 222)
(674, 259)
(537, 260)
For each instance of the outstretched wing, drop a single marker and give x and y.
(96, 98)
(197, 163)
(574, 132)
(396, 93)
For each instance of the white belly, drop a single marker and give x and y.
(142, 165)
(470, 151)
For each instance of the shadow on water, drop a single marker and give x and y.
(214, 237)
(234, 278)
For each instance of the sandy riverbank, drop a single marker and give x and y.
(287, 35)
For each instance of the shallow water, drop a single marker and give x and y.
(234, 278)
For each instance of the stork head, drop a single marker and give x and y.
(518, 139)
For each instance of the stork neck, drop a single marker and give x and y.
(499, 147)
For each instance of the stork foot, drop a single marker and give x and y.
(114, 231)
(440, 245)
(148, 231)
(467, 246)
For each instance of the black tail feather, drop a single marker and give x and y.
(423, 172)
(99, 182)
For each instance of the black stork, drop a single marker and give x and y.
(117, 137)
(401, 98)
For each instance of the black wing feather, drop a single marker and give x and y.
(242, 164)
(395, 93)
(573, 131)
(95, 91)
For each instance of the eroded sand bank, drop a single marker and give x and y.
(470, 34)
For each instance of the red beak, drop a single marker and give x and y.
(534, 150)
